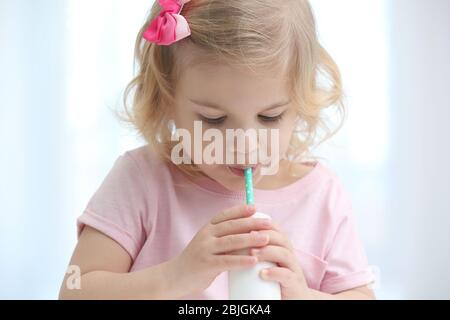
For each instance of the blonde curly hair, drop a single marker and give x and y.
(267, 34)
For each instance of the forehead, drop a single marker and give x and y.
(231, 86)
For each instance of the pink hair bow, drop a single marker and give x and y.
(170, 26)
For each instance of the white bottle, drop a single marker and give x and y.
(247, 284)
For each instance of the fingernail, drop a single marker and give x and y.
(264, 273)
(255, 252)
(251, 209)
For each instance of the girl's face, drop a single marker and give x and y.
(224, 98)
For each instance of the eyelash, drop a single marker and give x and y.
(272, 119)
(216, 121)
(219, 121)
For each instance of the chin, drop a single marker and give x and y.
(227, 179)
(233, 182)
(232, 185)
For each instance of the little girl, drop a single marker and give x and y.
(158, 228)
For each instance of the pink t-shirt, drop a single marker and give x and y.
(153, 211)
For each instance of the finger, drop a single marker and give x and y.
(241, 211)
(243, 225)
(234, 262)
(280, 255)
(276, 227)
(278, 239)
(284, 276)
(236, 242)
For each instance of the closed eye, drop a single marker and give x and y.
(221, 120)
(215, 121)
(271, 119)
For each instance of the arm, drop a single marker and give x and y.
(361, 293)
(289, 272)
(105, 265)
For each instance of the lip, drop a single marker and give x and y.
(239, 170)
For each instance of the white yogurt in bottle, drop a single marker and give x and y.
(247, 284)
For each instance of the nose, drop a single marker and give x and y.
(244, 146)
(250, 139)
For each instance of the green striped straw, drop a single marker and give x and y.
(249, 186)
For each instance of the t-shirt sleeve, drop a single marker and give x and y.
(117, 208)
(348, 266)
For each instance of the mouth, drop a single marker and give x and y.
(239, 170)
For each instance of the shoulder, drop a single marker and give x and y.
(146, 162)
(335, 197)
(321, 174)
(328, 189)
(329, 175)
(145, 158)
(138, 173)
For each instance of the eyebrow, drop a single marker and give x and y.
(215, 106)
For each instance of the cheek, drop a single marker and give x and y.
(285, 139)
(286, 131)
(184, 120)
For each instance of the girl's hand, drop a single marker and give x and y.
(288, 271)
(207, 255)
